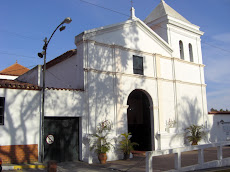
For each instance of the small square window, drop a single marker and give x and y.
(138, 65)
(2, 105)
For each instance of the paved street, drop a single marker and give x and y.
(137, 164)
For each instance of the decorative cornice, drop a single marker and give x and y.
(64, 89)
(136, 21)
(180, 60)
(142, 52)
(119, 47)
(185, 27)
(142, 77)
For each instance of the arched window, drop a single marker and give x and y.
(190, 52)
(181, 50)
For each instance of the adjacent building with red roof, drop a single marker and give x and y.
(13, 71)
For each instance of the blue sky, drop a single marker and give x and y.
(26, 23)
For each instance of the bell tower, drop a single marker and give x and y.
(177, 31)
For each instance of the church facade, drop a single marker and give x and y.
(146, 77)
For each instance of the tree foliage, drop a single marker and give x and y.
(221, 110)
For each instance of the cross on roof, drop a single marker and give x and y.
(131, 3)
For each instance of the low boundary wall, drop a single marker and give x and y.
(220, 162)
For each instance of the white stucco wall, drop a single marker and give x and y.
(187, 72)
(33, 76)
(67, 74)
(186, 37)
(64, 103)
(103, 68)
(10, 77)
(79, 65)
(21, 117)
(219, 131)
(167, 103)
(132, 34)
(190, 105)
(173, 30)
(64, 75)
(22, 112)
(168, 81)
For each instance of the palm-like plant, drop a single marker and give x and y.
(195, 133)
(126, 145)
(101, 145)
(100, 142)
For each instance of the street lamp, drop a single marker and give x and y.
(41, 55)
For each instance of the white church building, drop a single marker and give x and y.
(146, 77)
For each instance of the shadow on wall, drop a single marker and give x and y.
(190, 113)
(20, 127)
(107, 91)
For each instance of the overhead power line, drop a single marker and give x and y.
(23, 36)
(105, 8)
(157, 25)
(19, 35)
(216, 47)
(61, 80)
(1, 52)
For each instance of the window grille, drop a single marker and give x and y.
(138, 65)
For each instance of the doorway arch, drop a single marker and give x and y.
(139, 119)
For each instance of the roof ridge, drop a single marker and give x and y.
(16, 69)
(61, 58)
(164, 9)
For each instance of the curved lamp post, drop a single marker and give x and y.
(41, 55)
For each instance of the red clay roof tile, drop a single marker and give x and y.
(61, 58)
(15, 70)
(14, 84)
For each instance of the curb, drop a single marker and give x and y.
(20, 167)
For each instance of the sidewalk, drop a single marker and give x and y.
(136, 164)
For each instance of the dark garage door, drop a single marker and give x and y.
(65, 145)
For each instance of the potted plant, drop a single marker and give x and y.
(126, 146)
(195, 134)
(100, 143)
(171, 124)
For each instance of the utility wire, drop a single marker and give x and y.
(156, 25)
(216, 47)
(105, 8)
(1, 52)
(19, 35)
(23, 36)
(58, 79)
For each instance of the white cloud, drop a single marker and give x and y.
(219, 99)
(217, 71)
(217, 63)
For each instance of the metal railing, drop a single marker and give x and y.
(220, 162)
